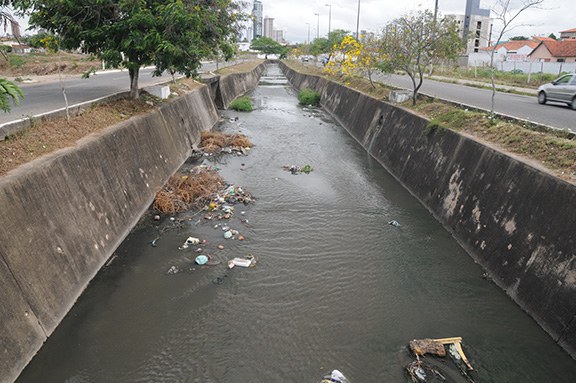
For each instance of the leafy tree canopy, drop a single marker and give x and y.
(553, 36)
(171, 34)
(324, 45)
(268, 46)
(519, 38)
(417, 39)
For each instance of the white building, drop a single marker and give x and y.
(269, 27)
(474, 26)
(479, 32)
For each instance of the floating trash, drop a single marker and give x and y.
(201, 260)
(394, 223)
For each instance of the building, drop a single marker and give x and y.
(257, 12)
(279, 36)
(268, 27)
(563, 51)
(568, 34)
(475, 26)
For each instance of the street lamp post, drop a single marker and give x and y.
(317, 24)
(358, 22)
(329, 18)
(308, 41)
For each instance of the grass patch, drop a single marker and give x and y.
(552, 150)
(246, 66)
(242, 104)
(309, 97)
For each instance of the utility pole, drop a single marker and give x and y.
(317, 24)
(358, 23)
(308, 33)
(329, 19)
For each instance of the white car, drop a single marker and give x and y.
(563, 89)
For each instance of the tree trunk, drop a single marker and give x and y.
(133, 71)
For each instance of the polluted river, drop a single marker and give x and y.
(335, 286)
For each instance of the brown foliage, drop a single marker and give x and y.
(214, 141)
(182, 192)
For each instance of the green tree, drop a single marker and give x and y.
(415, 40)
(553, 36)
(172, 34)
(324, 45)
(9, 92)
(519, 38)
(269, 47)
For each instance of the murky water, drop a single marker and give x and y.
(335, 285)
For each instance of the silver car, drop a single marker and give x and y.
(563, 89)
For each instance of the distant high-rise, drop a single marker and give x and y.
(269, 27)
(473, 9)
(257, 12)
(279, 35)
(475, 26)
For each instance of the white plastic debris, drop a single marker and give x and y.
(241, 262)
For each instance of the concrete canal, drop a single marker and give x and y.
(335, 286)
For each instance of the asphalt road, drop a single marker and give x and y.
(525, 107)
(46, 95)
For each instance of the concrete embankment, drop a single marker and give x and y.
(517, 221)
(63, 215)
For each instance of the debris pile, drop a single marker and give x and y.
(183, 192)
(296, 169)
(218, 142)
(420, 371)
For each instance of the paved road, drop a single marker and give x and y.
(46, 96)
(524, 107)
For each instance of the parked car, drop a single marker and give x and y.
(563, 89)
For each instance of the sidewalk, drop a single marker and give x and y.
(484, 84)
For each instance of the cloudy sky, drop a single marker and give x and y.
(292, 15)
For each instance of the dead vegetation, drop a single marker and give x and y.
(42, 64)
(244, 67)
(213, 142)
(47, 136)
(183, 192)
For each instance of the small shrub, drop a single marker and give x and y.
(16, 61)
(242, 104)
(309, 97)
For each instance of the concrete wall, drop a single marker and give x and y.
(63, 215)
(236, 84)
(515, 220)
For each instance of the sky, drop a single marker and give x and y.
(292, 15)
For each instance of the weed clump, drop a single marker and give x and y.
(183, 192)
(242, 104)
(309, 97)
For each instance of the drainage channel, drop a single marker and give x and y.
(335, 285)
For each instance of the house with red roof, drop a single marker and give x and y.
(555, 51)
(568, 34)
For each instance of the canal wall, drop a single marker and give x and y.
(516, 220)
(235, 84)
(63, 215)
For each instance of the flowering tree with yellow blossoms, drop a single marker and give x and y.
(356, 58)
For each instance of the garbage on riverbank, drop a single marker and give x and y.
(217, 142)
(182, 192)
(419, 371)
(307, 169)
